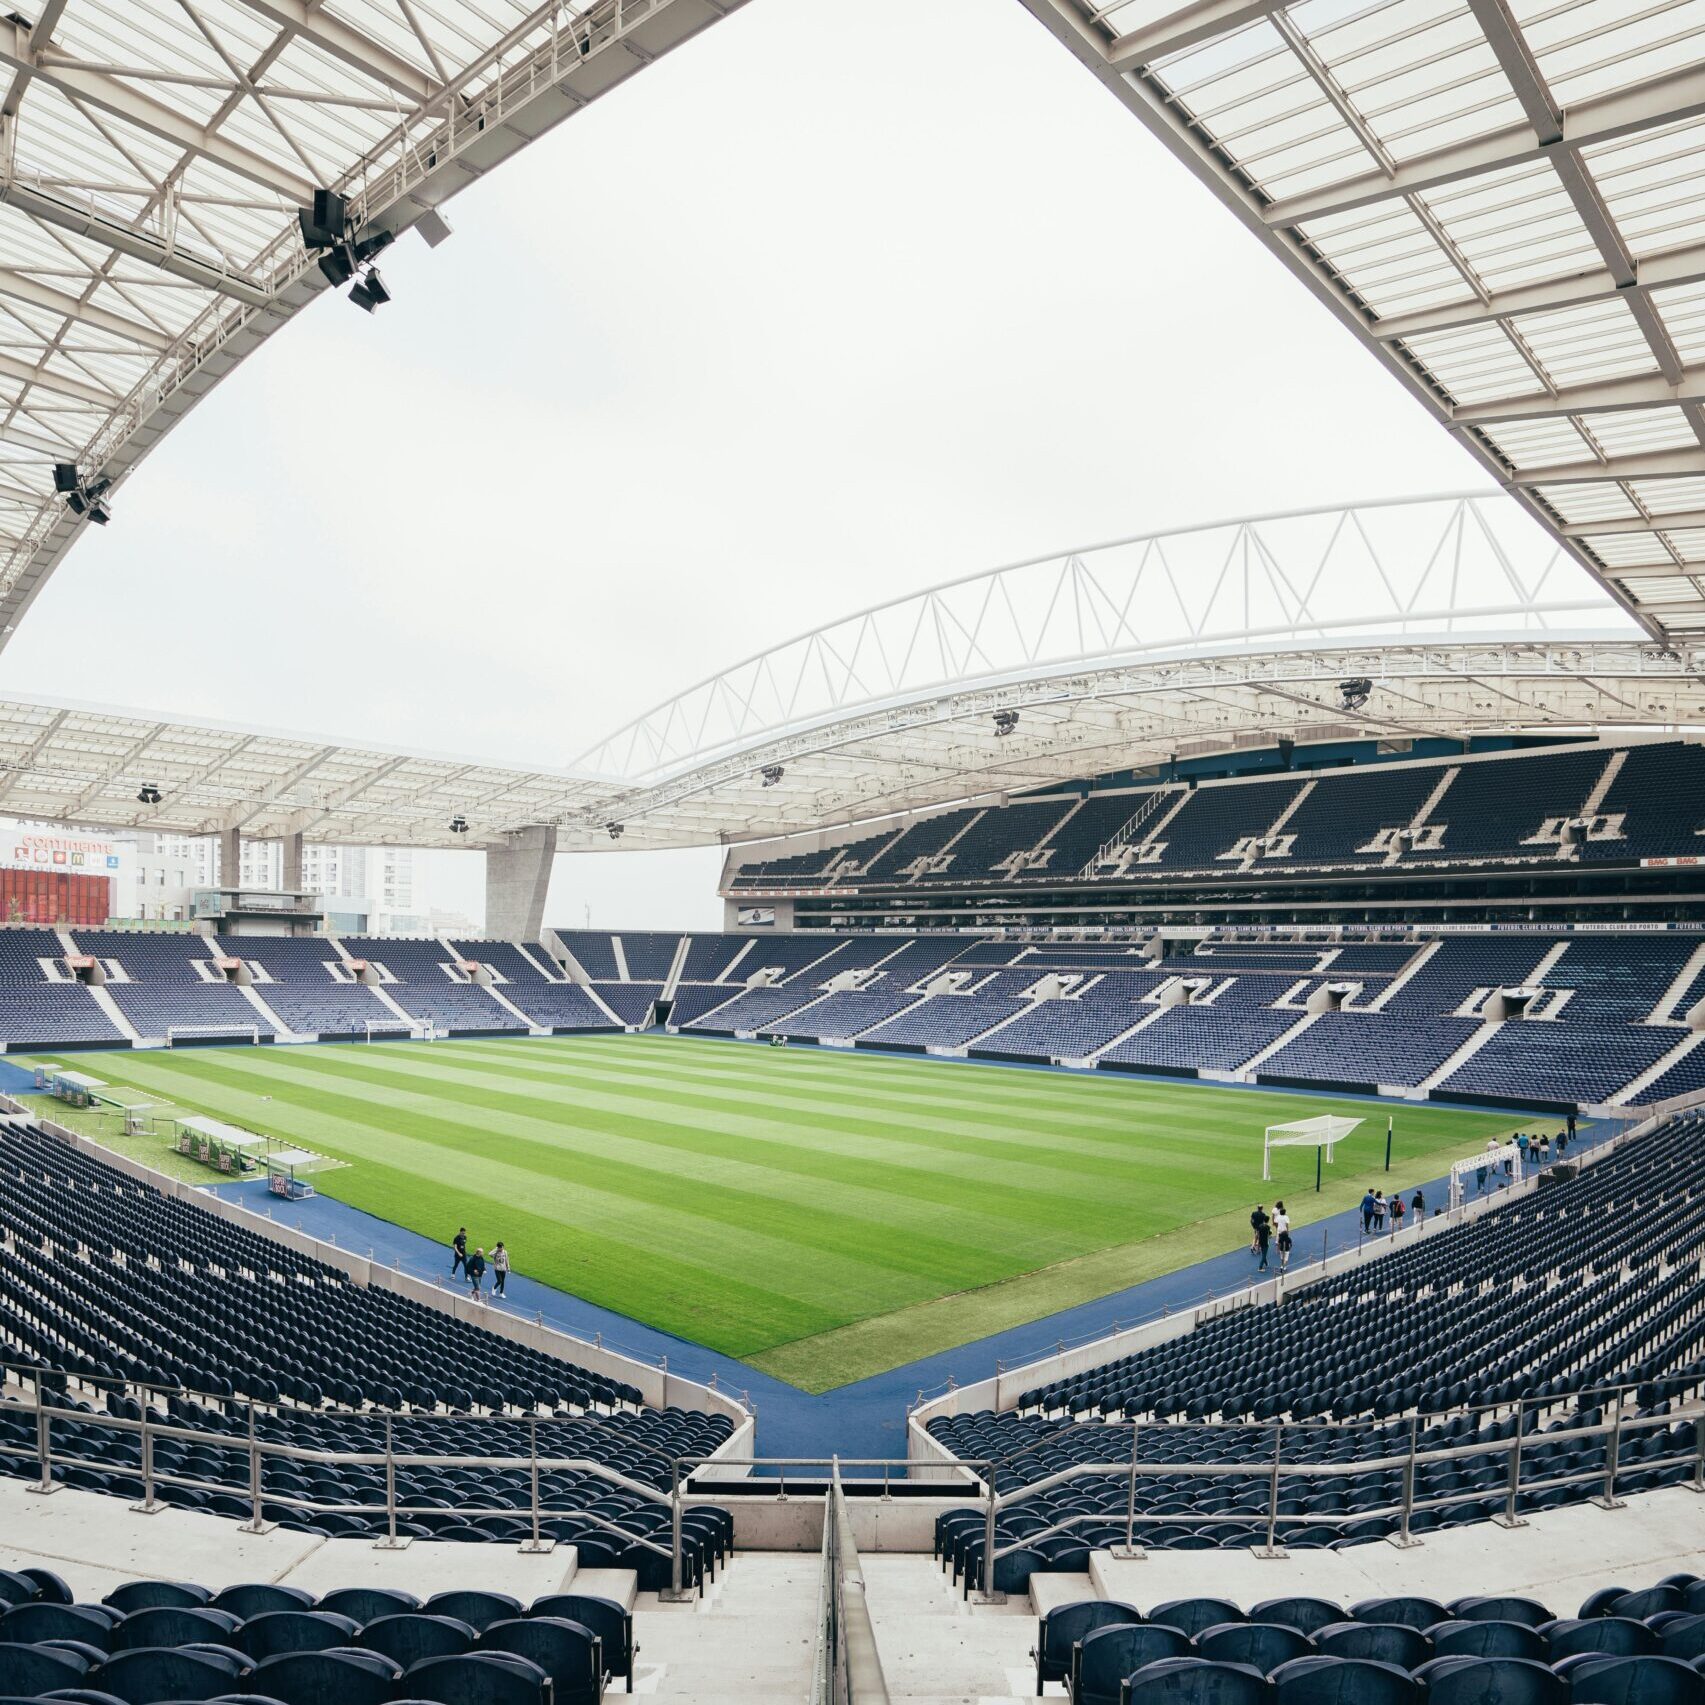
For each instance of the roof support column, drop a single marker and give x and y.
(230, 857)
(290, 873)
(517, 879)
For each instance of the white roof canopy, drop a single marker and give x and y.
(153, 154)
(1504, 200)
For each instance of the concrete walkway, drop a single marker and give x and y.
(868, 1417)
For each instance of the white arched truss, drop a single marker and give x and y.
(1450, 565)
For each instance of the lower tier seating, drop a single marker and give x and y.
(150, 1641)
(1641, 1647)
(117, 1290)
(1578, 1299)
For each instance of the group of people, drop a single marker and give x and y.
(473, 1267)
(1530, 1151)
(1377, 1208)
(1268, 1229)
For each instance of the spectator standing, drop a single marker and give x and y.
(1263, 1228)
(1367, 1212)
(1397, 1212)
(1419, 1207)
(1521, 1145)
(1282, 1234)
(1545, 1149)
(459, 1252)
(499, 1268)
(476, 1269)
(1563, 1139)
(1379, 1210)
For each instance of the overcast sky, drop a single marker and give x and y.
(804, 316)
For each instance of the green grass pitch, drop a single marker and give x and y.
(824, 1216)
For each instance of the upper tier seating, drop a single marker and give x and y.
(301, 989)
(1554, 1298)
(37, 1013)
(708, 956)
(650, 955)
(424, 987)
(1657, 793)
(1216, 816)
(593, 950)
(1495, 809)
(1338, 818)
(22, 952)
(235, 1316)
(1492, 807)
(550, 1004)
(164, 991)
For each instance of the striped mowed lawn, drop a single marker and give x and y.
(823, 1216)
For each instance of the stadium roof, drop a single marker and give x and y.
(1455, 615)
(1505, 199)
(80, 763)
(153, 154)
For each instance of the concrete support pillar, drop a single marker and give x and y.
(230, 857)
(290, 875)
(517, 878)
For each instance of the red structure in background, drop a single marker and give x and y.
(54, 897)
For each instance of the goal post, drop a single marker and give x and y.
(1325, 1133)
(1494, 1166)
(176, 1033)
(401, 1028)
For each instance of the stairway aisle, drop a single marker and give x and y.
(751, 1637)
(935, 1645)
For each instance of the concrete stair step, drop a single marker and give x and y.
(620, 1586)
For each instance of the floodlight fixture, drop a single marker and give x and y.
(1355, 692)
(614, 830)
(148, 794)
(772, 773)
(1005, 722)
(458, 824)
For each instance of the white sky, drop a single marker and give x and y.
(803, 317)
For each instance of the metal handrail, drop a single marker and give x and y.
(33, 1373)
(859, 1663)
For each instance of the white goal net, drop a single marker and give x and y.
(1326, 1132)
(177, 1033)
(399, 1029)
(1489, 1169)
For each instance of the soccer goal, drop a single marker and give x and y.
(176, 1033)
(1490, 1169)
(399, 1027)
(1326, 1133)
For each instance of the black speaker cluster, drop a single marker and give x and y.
(325, 233)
